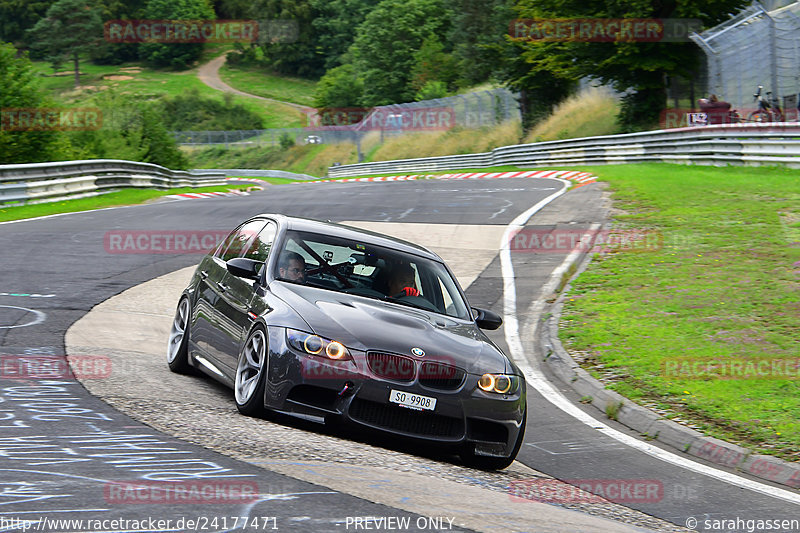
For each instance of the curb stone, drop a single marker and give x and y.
(648, 423)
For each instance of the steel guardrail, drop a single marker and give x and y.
(44, 182)
(734, 144)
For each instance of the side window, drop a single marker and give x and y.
(239, 241)
(225, 243)
(447, 300)
(260, 246)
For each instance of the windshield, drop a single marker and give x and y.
(363, 269)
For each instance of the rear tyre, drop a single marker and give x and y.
(494, 463)
(251, 374)
(178, 346)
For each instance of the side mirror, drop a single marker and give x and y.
(244, 268)
(486, 319)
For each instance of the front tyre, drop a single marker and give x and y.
(251, 374)
(759, 116)
(482, 462)
(178, 346)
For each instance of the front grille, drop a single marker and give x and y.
(406, 420)
(441, 376)
(391, 366)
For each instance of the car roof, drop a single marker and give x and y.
(349, 232)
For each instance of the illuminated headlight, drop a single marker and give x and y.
(316, 345)
(500, 383)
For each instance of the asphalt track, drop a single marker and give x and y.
(58, 443)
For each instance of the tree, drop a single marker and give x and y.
(18, 16)
(479, 26)
(19, 90)
(335, 26)
(640, 66)
(539, 89)
(107, 53)
(432, 63)
(340, 87)
(232, 9)
(297, 52)
(385, 43)
(175, 55)
(70, 28)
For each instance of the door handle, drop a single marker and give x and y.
(223, 287)
(204, 274)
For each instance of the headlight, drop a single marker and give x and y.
(316, 345)
(499, 383)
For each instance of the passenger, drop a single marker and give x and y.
(292, 267)
(402, 281)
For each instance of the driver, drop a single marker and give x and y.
(403, 281)
(292, 267)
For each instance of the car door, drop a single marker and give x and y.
(217, 328)
(235, 298)
(211, 271)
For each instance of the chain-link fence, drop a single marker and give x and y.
(271, 137)
(472, 110)
(756, 47)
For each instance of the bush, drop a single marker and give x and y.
(193, 112)
(286, 141)
(432, 90)
(131, 130)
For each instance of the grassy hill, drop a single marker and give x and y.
(151, 84)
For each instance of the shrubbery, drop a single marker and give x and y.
(193, 112)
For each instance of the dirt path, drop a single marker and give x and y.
(209, 74)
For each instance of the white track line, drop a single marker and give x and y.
(538, 381)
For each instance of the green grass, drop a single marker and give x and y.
(256, 81)
(724, 285)
(113, 199)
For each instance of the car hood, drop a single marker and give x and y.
(372, 325)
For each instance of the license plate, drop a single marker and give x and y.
(412, 401)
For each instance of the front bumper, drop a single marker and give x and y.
(349, 390)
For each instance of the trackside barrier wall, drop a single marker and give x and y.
(731, 144)
(43, 182)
